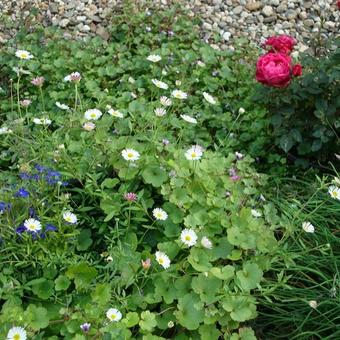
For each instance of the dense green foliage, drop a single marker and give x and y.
(143, 216)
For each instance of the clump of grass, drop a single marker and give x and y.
(311, 264)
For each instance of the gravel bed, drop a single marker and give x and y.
(228, 18)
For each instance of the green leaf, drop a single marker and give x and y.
(131, 319)
(250, 276)
(190, 311)
(62, 282)
(209, 332)
(223, 273)
(82, 274)
(241, 308)
(286, 143)
(43, 289)
(207, 287)
(199, 259)
(84, 239)
(148, 321)
(102, 294)
(36, 317)
(154, 175)
(109, 183)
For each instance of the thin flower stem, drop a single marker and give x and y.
(18, 94)
(76, 96)
(12, 99)
(42, 98)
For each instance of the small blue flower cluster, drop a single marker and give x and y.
(51, 176)
(4, 207)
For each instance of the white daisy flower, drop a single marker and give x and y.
(256, 213)
(92, 114)
(162, 259)
(154, 58)
(178, 83)
(114, 315)
(165, 101)
(189, 119)
(24, 55)
(206, 243)
(70, 217)
(115, 113)
(159, 214)
(160, 112)
(179, 94)
(16, 333)
(308, 227)
(89, 126)
(334, 191)
(195, 153)
(160, 84)
(130, 154)
(336, 180)
(241, 110)
(4, 130)
(209, 98)
(62, 106)
(189, 237)
(42, 121)
(32, 225)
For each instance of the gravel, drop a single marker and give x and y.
(231, 19)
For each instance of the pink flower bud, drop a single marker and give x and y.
(146, 264)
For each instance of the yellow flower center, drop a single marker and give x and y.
(130, 155)
(193, 155)
(31, 226)
(113, 316)
(24, 55)
(187, 238)
(93, 115)
(16, 336)
(161, 261)
(334, 194)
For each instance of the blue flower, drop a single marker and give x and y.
(4, 206)
(21, 229)
(22, 192)
(32, 212)
(36, 177)
(51, 227)
(40, 168)
(24, 175)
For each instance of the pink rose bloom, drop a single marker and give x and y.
(274, 69)
(281, 44)
(297, 70)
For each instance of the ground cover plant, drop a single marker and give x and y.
(131, 203)
(119, 219)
